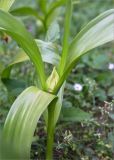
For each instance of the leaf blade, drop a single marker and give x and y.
(26, 11)
(79, 45)
(75, 114)
(25, 40)
(6, 4)
(50, 57)
(98, 32)
(21, 122)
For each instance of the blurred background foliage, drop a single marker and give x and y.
(90, 86)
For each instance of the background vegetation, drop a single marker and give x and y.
(90, 87)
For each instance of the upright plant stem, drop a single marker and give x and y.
(50, 132)
(51, 125)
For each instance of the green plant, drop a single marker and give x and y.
(46, 97)
(44, 12)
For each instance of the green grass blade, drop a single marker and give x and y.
(21, 122)
(6, 4)
(17, 31)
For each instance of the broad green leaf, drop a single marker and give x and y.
(53, 33)
(98, 32)
(100, 94)
(75, 114)
(48, 52)
(6, 4)
(16, 30)
(20, 57)
(14, 86)
(26, 11)
(21, 122)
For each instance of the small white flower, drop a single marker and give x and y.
(36, 153)
(78, 87)
(111, 66)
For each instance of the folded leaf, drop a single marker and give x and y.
(52, 80)
(16, 30)
(21, 122)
